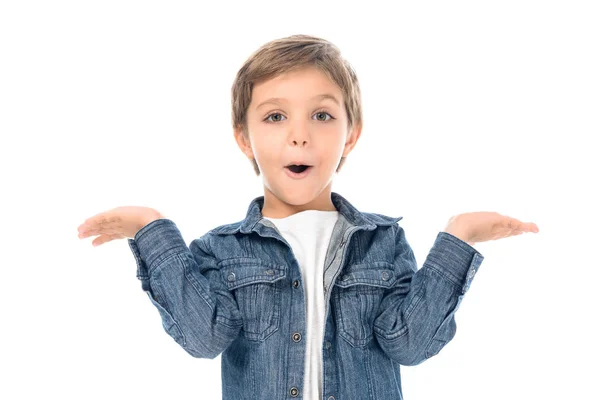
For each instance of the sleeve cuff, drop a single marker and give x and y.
(154, 243)
(454, 259)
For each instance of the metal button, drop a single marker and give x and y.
(331, 398)
(296, 283)
(327, 344)
(385, 275)
(231, 277)
(296, 337)
(294, 391)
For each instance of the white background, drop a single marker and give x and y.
(468, 106)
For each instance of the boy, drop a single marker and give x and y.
(306, 297)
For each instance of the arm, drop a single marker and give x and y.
(186, 287)
(416, 317)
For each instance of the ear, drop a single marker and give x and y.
(243, 143)
(352, 138)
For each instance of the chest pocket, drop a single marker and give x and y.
(356, 297)
(256, 287)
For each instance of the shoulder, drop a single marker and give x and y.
(226, 228)
(380, 219)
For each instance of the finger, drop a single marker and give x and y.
(99, 222)
(527, 227)
(102, 223)
(88, 224)
(518, 226)
(513, 224)
(89, 231)
(93, 220)
(100, 240)
(510, 227)
(103, 239)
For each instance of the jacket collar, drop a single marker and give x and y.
(357, 218)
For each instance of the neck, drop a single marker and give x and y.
(275, 207)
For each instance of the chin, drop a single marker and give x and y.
(294, 196)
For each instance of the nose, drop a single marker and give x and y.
(296, 142)
(299, 134)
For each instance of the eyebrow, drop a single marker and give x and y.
(277, 100)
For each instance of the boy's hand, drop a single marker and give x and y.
(483, 226)
(118, 223)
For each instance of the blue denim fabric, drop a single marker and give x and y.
(237, 291)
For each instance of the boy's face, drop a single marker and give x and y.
(290, 122)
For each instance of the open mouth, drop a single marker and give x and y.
(297, 169)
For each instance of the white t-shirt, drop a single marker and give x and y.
(309, 233)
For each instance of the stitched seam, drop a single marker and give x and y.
(445, 276)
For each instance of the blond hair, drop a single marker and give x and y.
(287, 54)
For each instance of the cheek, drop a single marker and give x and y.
(267, 149)
(335, 143)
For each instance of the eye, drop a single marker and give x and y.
(270, 115)
(323, 113)
(321, 116)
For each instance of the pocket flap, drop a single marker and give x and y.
(242, 271)
(379, 273)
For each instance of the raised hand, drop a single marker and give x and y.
(118, 223)
(483, 226)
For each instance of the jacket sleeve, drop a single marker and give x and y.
(185, 285)
(415, 319)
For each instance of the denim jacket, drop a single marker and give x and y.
(237, 290)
